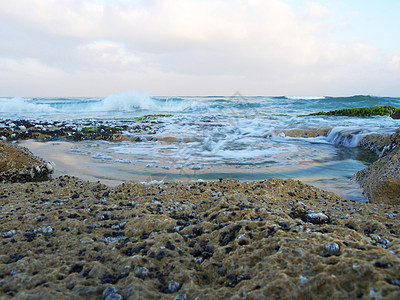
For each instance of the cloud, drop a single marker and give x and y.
(394, 63)
(106, 55)
(316, 10)
(238, 42)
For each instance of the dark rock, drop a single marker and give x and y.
(109, 278)
(197, 231)
(395, 115)
(73, 216)
(171, 288)
(229, 236)
(110, 290)
(180, 297)
(383, 265)
(30, 235)
(76, 268)
(144, 235)
(235, 279)
(141, 272)
(160, 255)
(392, 281)
(169, 245)
(14, 258)
(75, 196)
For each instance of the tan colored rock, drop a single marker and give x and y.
(381, 180)
(305, 133)
(214, 239)
(19, 164)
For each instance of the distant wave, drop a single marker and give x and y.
(124, 102)
(354, 98)
(304, 98)
(23, 105)
(142, 103)
(134, 100)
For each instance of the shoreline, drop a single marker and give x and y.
(113, 173)
(277, 238)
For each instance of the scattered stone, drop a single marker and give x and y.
(172, 287)
(9, 233)
(76, 268)
(111, 293)
(141, 272)
(331, 249)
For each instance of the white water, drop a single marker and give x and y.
(212, 137)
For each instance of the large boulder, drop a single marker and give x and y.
(396, 114)
(18, 164)
(381, 180)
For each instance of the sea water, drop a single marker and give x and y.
(212, 137)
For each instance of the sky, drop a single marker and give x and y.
(89, 48)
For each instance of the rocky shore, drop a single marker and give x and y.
(66, 238)
(381, 180)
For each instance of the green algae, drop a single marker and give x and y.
(147, 118)
(385, 110)
(90, 129)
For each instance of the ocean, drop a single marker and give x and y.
(209, 137)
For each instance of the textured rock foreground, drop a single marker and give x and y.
(67, 238)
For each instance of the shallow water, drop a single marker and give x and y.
(98, 161)
(210, 138)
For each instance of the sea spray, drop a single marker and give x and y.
(133, 101)
(23, 105)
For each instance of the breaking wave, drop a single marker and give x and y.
(23, 105)
(123, 102)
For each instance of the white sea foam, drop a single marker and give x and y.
(21, 105)
(305, 97)
(134, 100)
(124, 102)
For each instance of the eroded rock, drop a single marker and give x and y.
(19, 164)
(381, 180)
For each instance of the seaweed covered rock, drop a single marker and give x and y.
(381, 180)
(386, 110)
(19, 164)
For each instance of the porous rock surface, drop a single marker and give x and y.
(381, 180)
(18, 164)
(276, 239)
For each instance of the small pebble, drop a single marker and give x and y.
(8, 234)
(110, 292)
(331, 249)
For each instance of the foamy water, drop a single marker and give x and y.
(213, 137)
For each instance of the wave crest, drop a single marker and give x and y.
(132, 101)
(23, 105)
